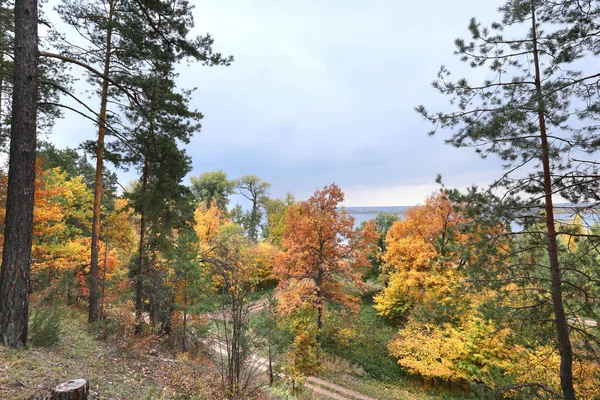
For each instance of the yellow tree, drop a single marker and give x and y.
(421, 261)
(116, 248)
(209, 219)
(61, 219)
(323, 253)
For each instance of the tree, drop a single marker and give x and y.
(187, 278)
(49, 77)
(275, 209)
(16, 254)
(253, 189)
(229, 256)
(422, 257)
(209, 186)
(383, 223)
(6, 66)
(323, 253)
(125, 36)
(526, 114)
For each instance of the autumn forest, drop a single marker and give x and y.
(176, 285)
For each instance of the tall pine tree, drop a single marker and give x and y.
(529, 113)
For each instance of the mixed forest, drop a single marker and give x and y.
(160, 288)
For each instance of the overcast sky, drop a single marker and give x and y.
(324, 91)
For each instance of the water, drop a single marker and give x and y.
(363, 214)
(563, 214)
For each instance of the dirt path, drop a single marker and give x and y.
(328, 386)
(317, 385)
(324, 392)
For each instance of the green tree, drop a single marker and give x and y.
(187, 279)
(275, 224)
(123, 37)
(383, 223)
(523, 114)
(255, 190)
(214, 185)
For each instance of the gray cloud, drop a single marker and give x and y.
(325, 91)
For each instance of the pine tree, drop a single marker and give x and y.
(125, 35)
(16, 254)
(525, 113)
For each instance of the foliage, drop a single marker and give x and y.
(536, 110)
(275, 210)
(421, 258)
(256, 191)
(383, 223)
(323, 254)
(229, 257)
(44, 327)
(365, 343)
(209, 186)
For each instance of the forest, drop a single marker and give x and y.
(162, 288)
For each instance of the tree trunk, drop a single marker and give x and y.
(184, 347)
(78, 389)
(93, 277)
(139, 287)
(18, 230)
(103, 281)
(320, 302)
(562, 327)
(253, 228)
(271, 375)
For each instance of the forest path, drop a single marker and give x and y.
(316, 385)
(334, 391)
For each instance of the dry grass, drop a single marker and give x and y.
(116, 369)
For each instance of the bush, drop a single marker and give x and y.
(44, 327)
(117, 323)
(368, 346)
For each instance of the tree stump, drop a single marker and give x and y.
(77, 389)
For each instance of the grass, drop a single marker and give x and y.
(401, 389)
(367, 347)
(362, 362)
(115, 369)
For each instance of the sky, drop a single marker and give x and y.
(323, 92)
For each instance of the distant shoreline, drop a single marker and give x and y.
(377, 210)
(559, 209)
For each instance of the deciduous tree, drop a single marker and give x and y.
(209, 186)
(323, 255)
(255, 190)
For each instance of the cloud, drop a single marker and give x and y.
(324, 92)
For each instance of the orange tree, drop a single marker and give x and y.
(322, 254)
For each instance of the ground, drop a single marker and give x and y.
(129, 369)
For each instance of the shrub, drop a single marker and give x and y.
(44, 327)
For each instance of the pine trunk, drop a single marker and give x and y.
(139, 287)
(93, 277)
(564, 342)
(16, 256)
(103, 281)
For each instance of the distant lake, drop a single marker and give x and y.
(362, 214)
(562, 214)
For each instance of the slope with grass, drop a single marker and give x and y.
(126, 368)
